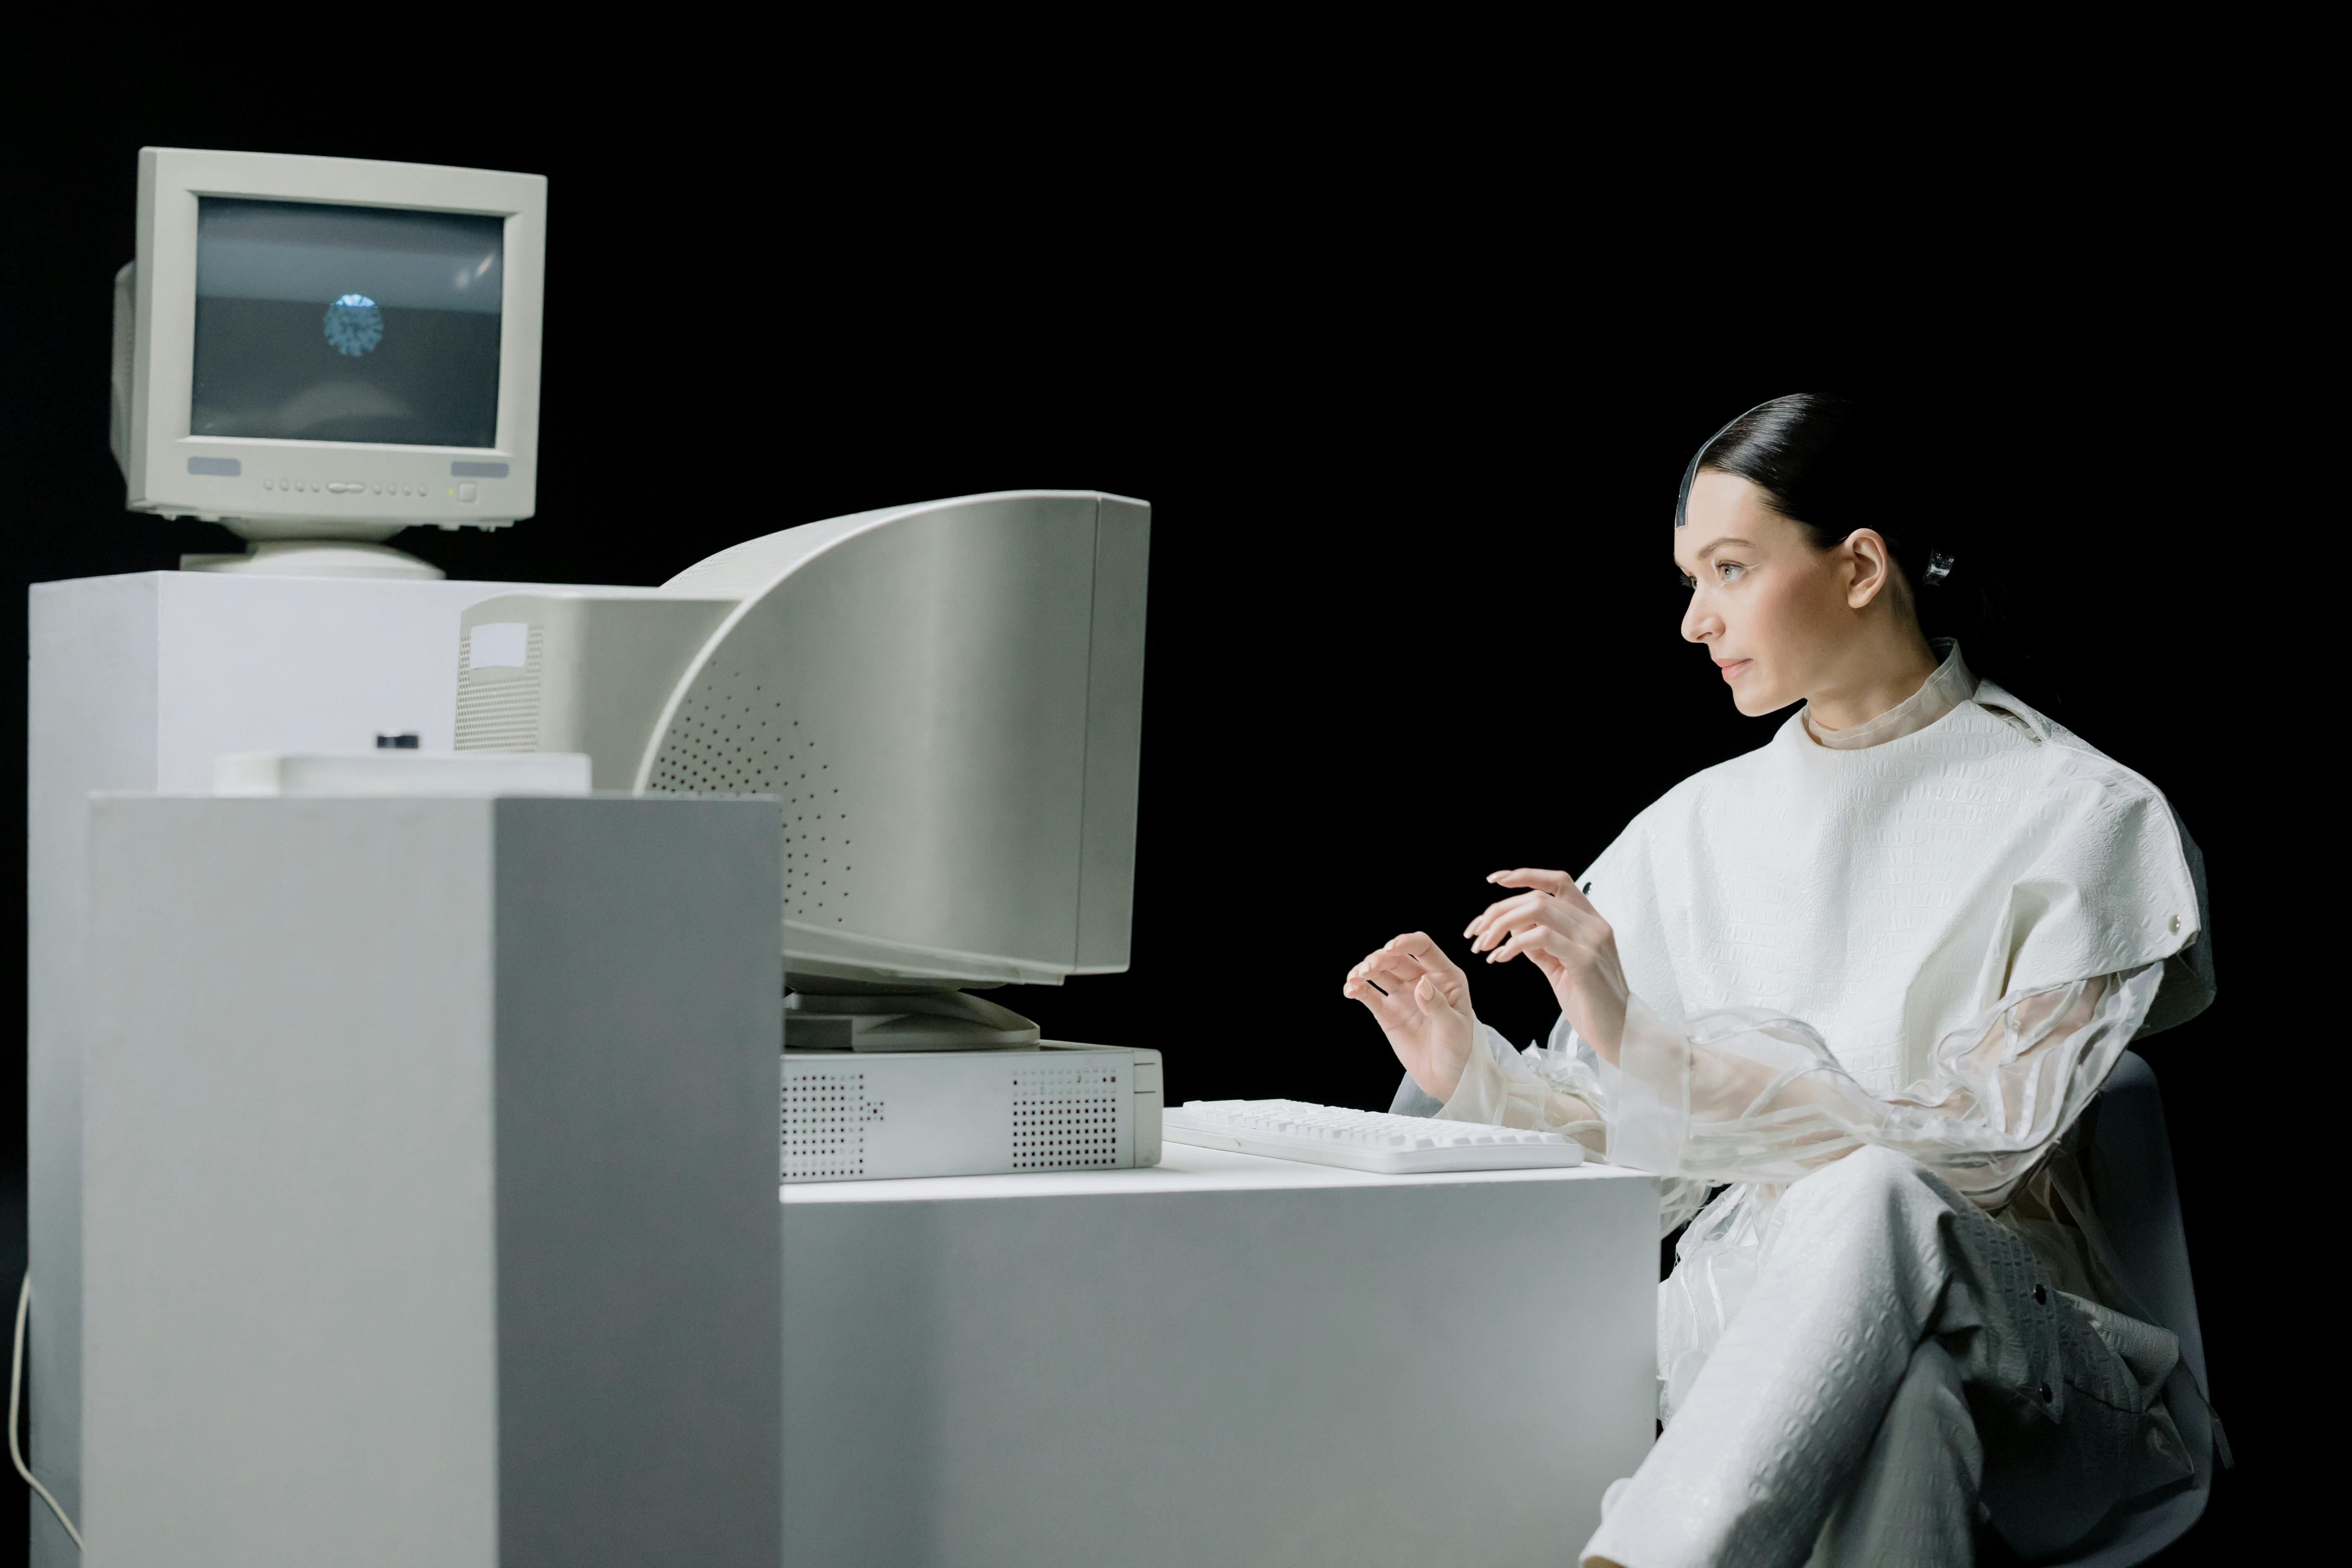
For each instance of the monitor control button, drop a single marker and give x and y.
(265, 484)
(466, 491)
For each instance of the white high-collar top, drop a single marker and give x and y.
(1934, 932)
(1952, 684)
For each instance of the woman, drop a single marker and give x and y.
(1868, 976)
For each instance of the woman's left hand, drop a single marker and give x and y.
(1563, 935)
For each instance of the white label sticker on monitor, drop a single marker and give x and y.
(498, 645)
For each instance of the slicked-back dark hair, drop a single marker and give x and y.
(1832, 465)
(1812, 455)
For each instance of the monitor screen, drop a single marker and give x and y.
(346, 324)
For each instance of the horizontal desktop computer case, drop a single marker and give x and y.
(851, 1115)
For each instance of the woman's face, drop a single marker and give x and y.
(1777, 615)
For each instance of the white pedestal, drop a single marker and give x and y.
(1223, 1360)
(428, 1153)
(139, 682)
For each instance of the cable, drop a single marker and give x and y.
(15, 1388)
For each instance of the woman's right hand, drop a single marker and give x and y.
(1422, 1004)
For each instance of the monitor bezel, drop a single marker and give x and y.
(367, 477)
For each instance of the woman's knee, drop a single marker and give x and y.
(1871, 1192)
(1876, 1219)
(1870, 1173)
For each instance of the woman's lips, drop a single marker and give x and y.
(1736, 668)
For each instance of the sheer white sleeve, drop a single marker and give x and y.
(1551, 1090)
(1743, 1095)
(1554, 1087)
(1747, 1095)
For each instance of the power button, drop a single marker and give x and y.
(466, 491)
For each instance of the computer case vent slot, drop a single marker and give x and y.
(498, 710)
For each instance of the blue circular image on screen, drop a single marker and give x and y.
(355, 325)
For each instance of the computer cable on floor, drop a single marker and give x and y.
(16, 1390)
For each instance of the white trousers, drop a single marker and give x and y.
(1900, 1360)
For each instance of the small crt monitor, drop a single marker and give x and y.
(329, 349)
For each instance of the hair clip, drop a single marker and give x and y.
(1939, 566)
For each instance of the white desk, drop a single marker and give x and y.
(1224, 1360)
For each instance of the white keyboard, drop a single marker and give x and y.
(1362, 1140)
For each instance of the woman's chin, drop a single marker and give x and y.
(1753, 701)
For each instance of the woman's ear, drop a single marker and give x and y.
(1874, 567)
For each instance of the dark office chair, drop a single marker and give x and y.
(2127, 1165)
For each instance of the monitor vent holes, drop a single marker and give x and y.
(732, 736)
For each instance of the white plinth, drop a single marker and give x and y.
(429, 1153)
(1223, 1360)
(140, 682)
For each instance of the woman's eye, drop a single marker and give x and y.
(1687, 580)
(1730, 571)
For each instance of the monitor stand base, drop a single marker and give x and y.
(317, 558)
(932, 1021)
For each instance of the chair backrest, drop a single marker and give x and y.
(2127, 1163)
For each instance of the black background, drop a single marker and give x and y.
(1410, 413)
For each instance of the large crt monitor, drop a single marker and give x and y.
(318, 352)
(948, 700)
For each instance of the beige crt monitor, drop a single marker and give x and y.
(946, 698)
(318, 353)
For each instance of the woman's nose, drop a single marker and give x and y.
(1700, 624)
